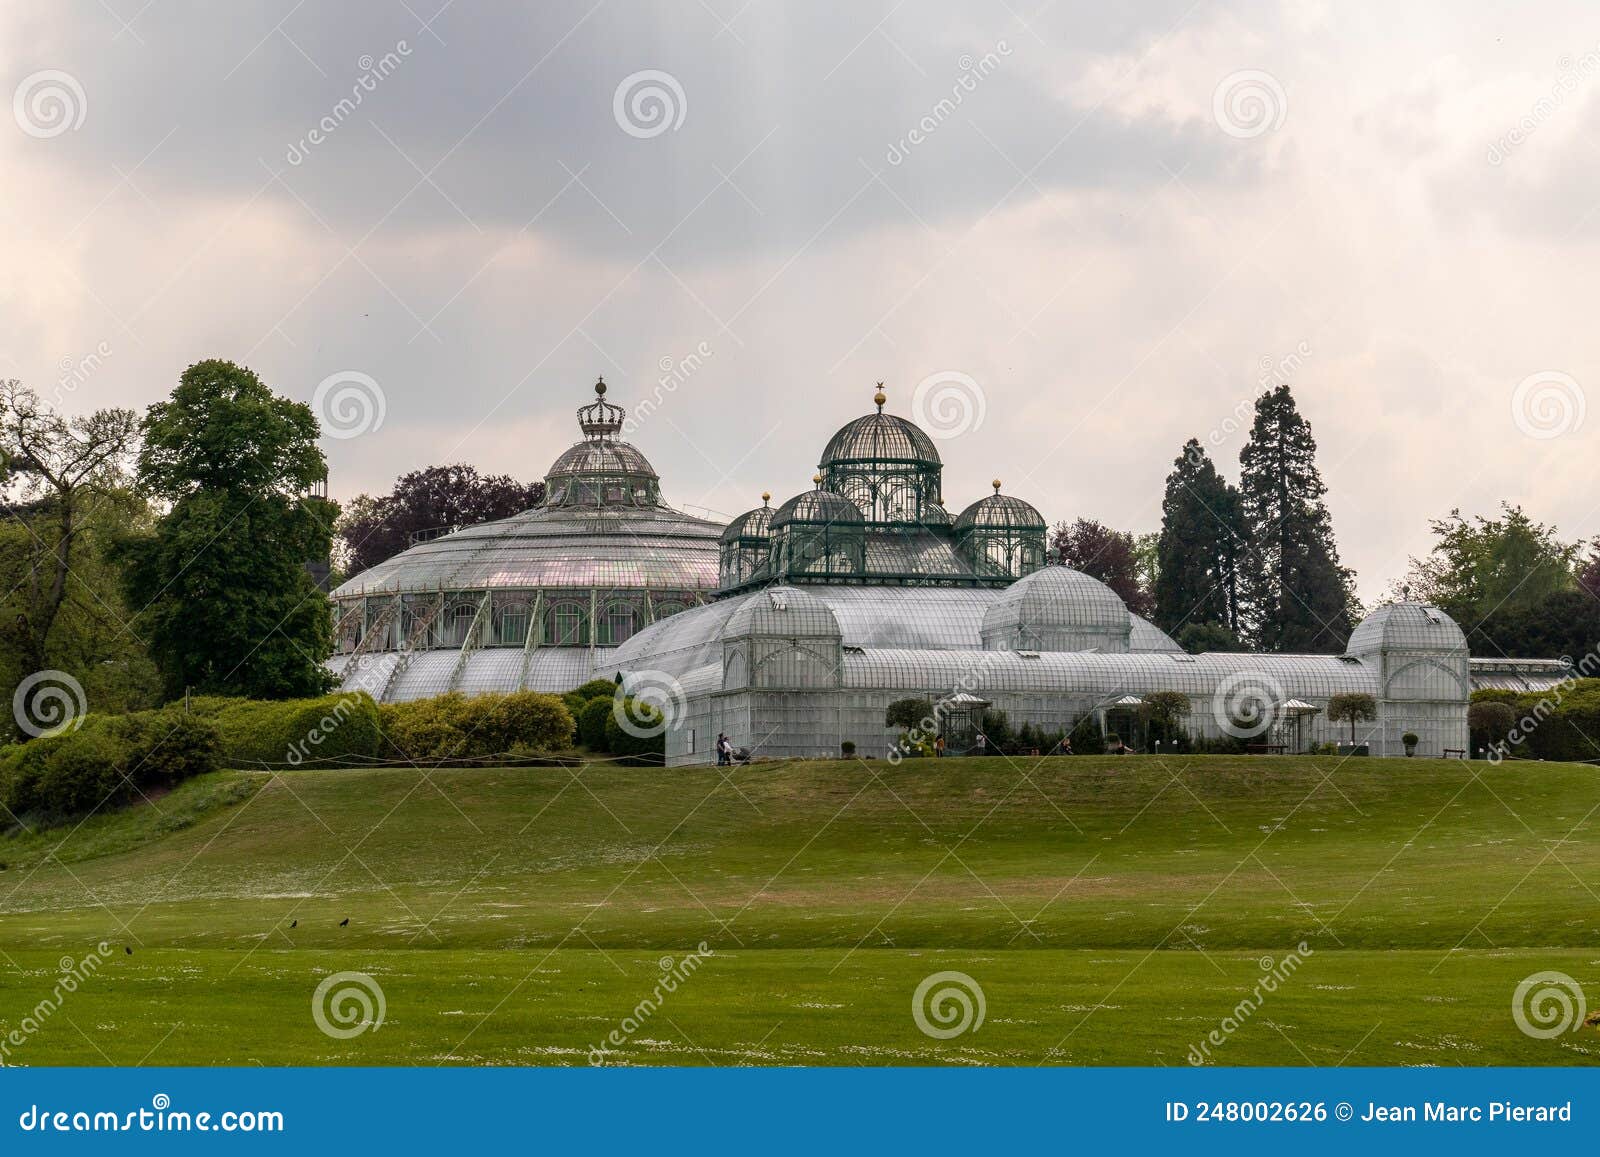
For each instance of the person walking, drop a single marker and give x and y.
(938, 747)
(724, 750)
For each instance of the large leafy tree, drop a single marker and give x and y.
(1481, 566)
(1111, 556)
(1297, 597)
(1203, 540)
(373, 529)
(229, 605)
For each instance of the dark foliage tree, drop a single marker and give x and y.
(1108, 555)
(229, 605)
(1589, 572)
(374, 529)
(1199, 638)
(1564, 622)
(1296, 595)
(1352, 707)
(1203, 539)
(908, 714)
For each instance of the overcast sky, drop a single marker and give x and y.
(1087, 233)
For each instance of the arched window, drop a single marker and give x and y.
(665, 609)
(511, 624)
(617, 624)
(454, 624)
(567, 625)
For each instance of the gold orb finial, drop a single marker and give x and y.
(600, 387)
(817, 478)
(996, 485)
(766, 497)
(880, 397)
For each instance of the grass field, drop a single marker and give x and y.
(1112, 911)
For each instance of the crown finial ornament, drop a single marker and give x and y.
(600, 419)
(880, 397)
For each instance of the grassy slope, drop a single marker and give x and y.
(1113, 911)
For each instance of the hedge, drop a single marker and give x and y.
(330, 730)
(592, 718)
(107, 760)
(456, 727)
(1560, 724)
(646, 748)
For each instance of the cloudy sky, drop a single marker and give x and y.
(1067, 236)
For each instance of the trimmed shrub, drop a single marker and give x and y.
(641, 748)
(1559, 724)
(454, 726)
(105, 761)
(328, 730)
(592, 723)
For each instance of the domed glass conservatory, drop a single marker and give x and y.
(537, 601)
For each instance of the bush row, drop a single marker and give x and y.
(105, 761)
(1560, 724)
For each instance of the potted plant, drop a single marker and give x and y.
(1410, 740)
(847, 748)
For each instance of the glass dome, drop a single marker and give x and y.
(601, 471)
(745, 543)
(1004, 532)
(888, 467)
(818, 533)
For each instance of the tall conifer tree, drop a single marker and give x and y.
(1297, 595)
(1203, 538)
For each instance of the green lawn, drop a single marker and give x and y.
(1112, 911)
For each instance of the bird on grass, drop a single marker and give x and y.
(127, 949)
(345, 923)
(292, 923)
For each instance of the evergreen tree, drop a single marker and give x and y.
(1296, 595)
(230, 607)
(1203, 538)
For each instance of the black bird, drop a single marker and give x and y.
(292, 923)
(128, 950)
(345, 923)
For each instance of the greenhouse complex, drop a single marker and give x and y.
(792, 628)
